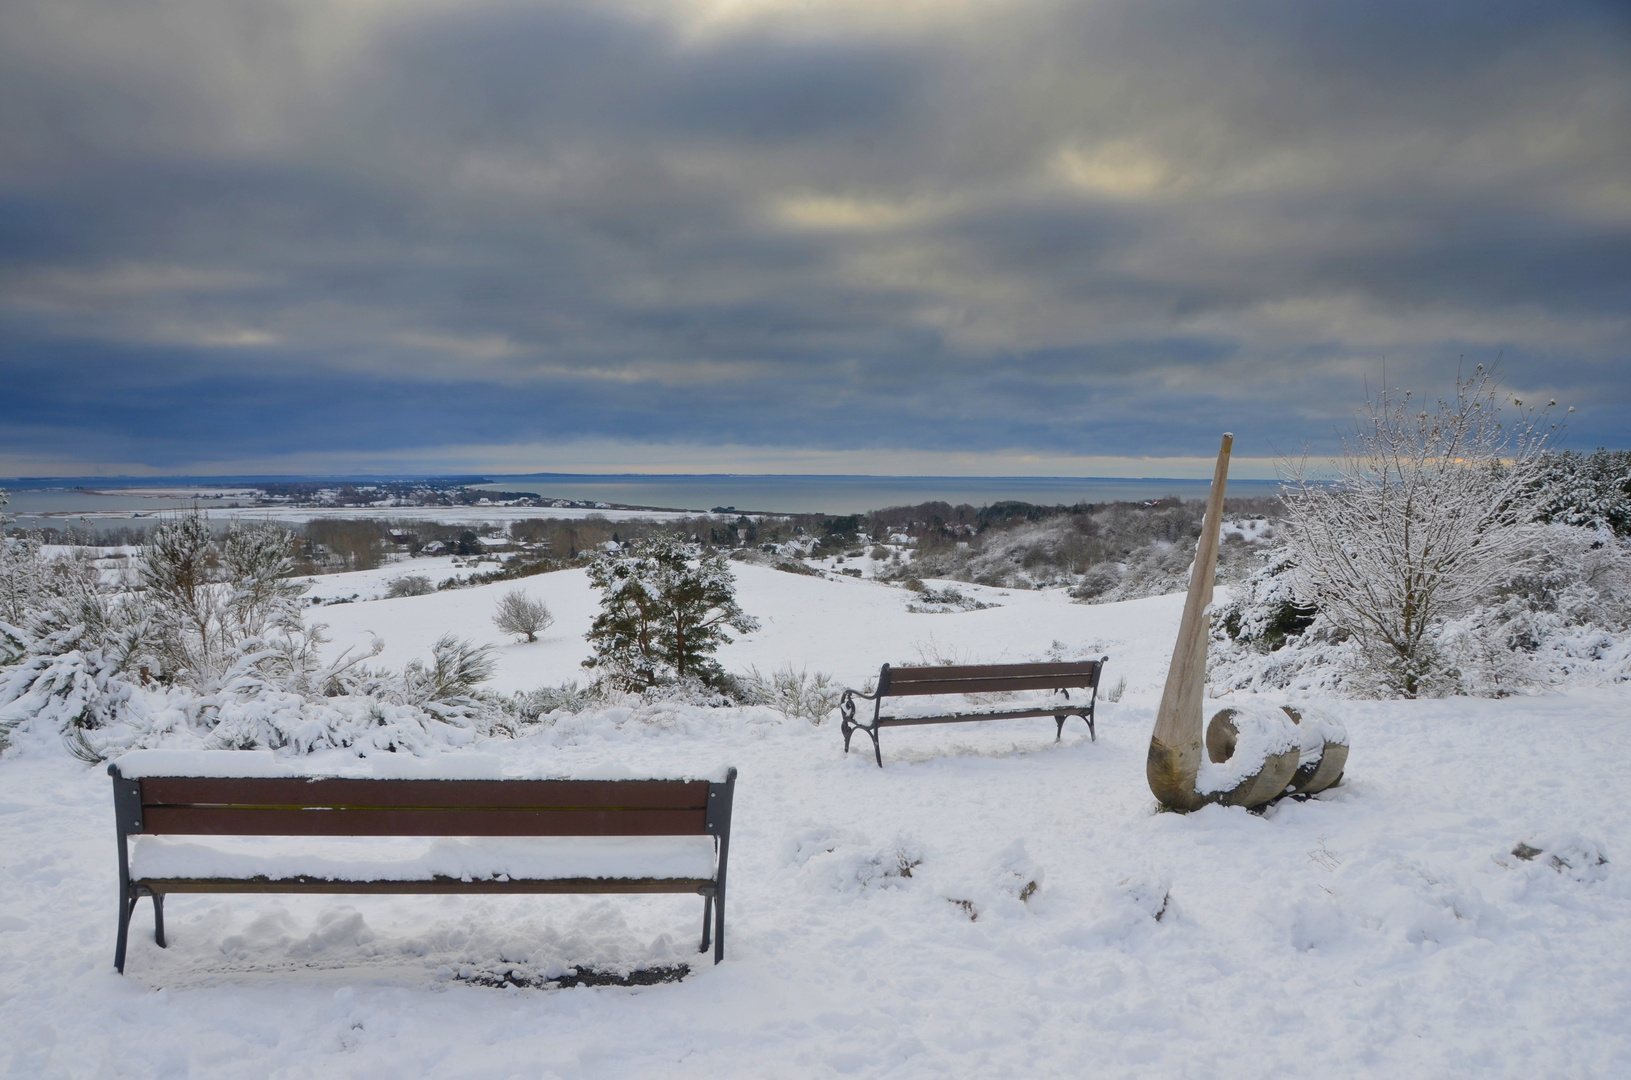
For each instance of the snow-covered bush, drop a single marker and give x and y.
(211, 651)
(410, 585)
(569, 697)
(1592, 491)
(1264, 638)
(1429, 512)
(793, 692)
(665, 607)
(1561, 614)
(276, 694)
(21, 571)
(521, 615)
(205, 600)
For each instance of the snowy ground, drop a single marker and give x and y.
(1382, 930)
(842, 626)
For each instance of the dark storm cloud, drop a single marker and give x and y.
(1092, 229)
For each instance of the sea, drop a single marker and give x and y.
(61, 500)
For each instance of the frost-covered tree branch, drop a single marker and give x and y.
(1429, 509)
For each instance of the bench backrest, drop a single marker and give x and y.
(367, 807)
(987, 678)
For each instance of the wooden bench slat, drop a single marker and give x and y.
(440, 821)
(339, 792)
(992, 671)
(957, 718)
(440, 885)
(1013, 683)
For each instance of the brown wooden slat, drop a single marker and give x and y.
(1017, 714)
(263, 791)
(434, 885)
(276, 821)
(987, 686)
(991, 671)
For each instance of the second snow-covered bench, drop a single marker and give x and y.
(432, 836)
(996, 682)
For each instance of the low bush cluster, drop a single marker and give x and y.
(209, 649)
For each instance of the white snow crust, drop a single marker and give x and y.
(1262, 730)
(422, 858)
(447, 765)
(1316, 727)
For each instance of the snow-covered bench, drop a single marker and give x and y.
(232, 834)
(1047, 685)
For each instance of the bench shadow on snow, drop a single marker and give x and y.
(374, 972)
(334, 945)
(899, 751)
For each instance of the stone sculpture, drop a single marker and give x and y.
(1249, 754)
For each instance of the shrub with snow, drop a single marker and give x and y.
(410, 585)
(1561, 614)
(522, 615)
(212, 652)
(793, 692)
(1431, 509)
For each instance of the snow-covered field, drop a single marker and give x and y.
(843, 626)
(1381, 930)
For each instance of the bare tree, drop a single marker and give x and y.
(519, 613)
(1428, 511)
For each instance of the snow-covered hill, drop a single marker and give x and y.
(840, 625)
(1384, 929)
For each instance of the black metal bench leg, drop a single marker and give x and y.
(1092, 732)
(158, 920)
(707, 921)
(719, 929)
(1060, 734)
(127, 908)
(877, 753)
(849, 729)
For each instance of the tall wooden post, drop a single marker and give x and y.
(1175, 747)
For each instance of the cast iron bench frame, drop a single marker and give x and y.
(975, 679)
(335, 806)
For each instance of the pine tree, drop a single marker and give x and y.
(665, 608)
(1593, 492)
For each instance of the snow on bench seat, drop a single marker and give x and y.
(450, 765)
(276, 858)
(941, 704)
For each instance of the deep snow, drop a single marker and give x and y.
(1383, 929)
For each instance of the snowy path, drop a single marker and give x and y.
(1376, 932)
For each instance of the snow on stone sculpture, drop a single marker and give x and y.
(1324, 752)
(1249, 754)
(1252, 752)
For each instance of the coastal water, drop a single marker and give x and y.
(856, 494)
(63, 506)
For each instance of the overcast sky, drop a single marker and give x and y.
(749, 235)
